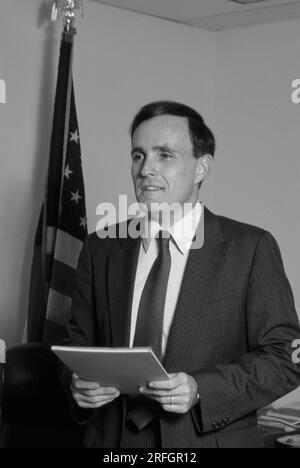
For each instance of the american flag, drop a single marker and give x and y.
(62, 226)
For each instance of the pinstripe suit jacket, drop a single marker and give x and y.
(232, 331)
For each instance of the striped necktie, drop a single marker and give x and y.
(149, 326)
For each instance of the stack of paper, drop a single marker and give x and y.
(124, 368)
(286, 418)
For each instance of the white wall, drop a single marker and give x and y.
(121, 61)
(26, 65)
(257, 170)
(258, 165)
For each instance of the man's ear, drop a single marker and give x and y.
(204, 167)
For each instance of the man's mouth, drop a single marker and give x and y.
(151, 188)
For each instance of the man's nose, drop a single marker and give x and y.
(148, 167)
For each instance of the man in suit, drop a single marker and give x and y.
(213, 301)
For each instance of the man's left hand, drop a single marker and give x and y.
(177, 395)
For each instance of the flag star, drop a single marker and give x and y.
(67, 172)
(74, 136)
(75, 196)
(83, 222)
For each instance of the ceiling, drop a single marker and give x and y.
(213, 15)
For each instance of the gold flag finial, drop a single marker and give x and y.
(67, 7)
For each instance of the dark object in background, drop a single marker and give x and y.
(35, 409)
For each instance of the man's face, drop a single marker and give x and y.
(164, 168)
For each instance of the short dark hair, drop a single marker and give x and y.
(201, 136)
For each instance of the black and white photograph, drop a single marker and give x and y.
(149, 226)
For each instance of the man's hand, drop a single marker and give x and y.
(177, 395)
(90, 394)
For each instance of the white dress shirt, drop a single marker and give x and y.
(182, 234)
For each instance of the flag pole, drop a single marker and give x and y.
(68, 9)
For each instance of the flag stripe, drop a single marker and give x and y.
(62, 278)
(54, 332)
(67, 249)
(37, 303)
(59, 307)
(50, 239)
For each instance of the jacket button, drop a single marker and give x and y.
(214, 425)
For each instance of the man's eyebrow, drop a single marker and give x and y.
(137, 149)
(164, 148)
(160, 148)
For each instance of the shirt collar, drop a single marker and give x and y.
(182, 232)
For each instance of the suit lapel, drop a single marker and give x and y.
(122, 266)
(201, 270)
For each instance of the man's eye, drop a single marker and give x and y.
(137, 156)
(166, 155)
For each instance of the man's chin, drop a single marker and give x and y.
(158, 211)
(153, 205)
(165, 213)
